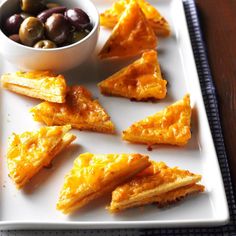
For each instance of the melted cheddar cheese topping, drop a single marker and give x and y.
(170, 126)
(79, 110)
(30, 151)
(110, 17)
(131, 36)
(93, 174)
(142, 80)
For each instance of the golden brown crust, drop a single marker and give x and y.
(169, 126)
(110, 17)
(141, 80)
(37, 84)
(79, 110)
(31, 151)
(159, 183)
(162, 200)
(177, 195)
(94, 175)
(131, 36)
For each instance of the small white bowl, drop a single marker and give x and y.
(57, 59)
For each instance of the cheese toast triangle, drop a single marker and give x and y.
(79, 110)
(110, 17)
(31, 151)
(157, 184)
(93, 176)
(141, 80)
(37, 84)
(169, 126)
(131, 36)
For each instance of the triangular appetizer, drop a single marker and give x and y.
(31, 151)
(158, 184)
(95, 175)
(131, 36)
(79, 110)
(111, 16)
(37, 84)
(169, 126)
(142, 80)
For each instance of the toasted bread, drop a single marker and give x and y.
(170, 126)
(31, 151)
(159, 183)
(37, 84)
(131, 36)
(110, 17)
(141, 80)
(95, 175)
(79, 110)
(178, 194)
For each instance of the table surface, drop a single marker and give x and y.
(218, 19)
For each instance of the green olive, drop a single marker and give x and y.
(45, 44)
(33, 6)
(77, 36)
(31, 31)
(52, 5)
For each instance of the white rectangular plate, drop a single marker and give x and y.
(34, 207)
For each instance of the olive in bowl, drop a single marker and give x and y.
(39, 51)
(31, 31)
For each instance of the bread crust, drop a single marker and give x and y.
(37, 84)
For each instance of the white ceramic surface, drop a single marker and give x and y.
(35, 206)
(59, 59)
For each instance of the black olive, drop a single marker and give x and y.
(57, 28)
(12, 24)
(78, 18)
(43, 16)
